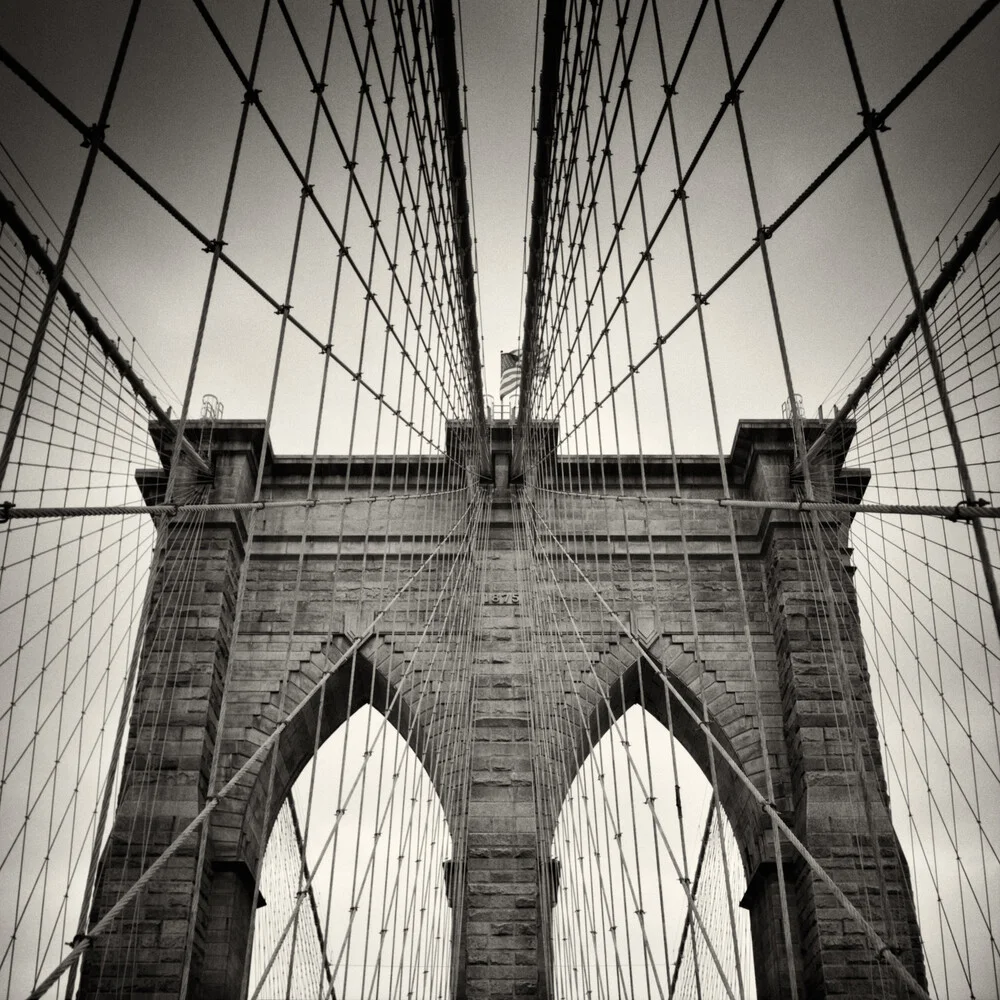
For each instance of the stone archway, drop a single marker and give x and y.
(362, 678)
(242, 826)
(690, 841)
(377, 852)
(288, 636)
(642, 684)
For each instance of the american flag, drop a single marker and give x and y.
(510, 372)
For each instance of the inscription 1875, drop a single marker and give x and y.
(502, 599)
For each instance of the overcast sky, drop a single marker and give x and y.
(175, 119)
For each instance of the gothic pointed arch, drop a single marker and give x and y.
(641, 681)
(621, 922)
(366, 855)
(370, 675)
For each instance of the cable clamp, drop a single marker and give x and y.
(283, 310)
(700, 298)
(94, 135)
(250, 96)
(307, 190)
(318, 88)
(679, 193)
(732, 97)
(957, 515)
(764, 233)
(79, 939)
(5, 508)
(874, 120)
(213, 246)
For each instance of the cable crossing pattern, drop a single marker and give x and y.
(658, 682)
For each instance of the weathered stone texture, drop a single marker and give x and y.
(542, 702)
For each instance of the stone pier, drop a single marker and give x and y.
(526, 730)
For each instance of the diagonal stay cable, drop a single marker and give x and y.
(964, 30)
(154, 869)
(93, 138)
(253, 98)
(32, 247)
(882, 950)
(678, 193)
(206, 242)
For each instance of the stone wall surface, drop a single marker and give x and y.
(770, 655)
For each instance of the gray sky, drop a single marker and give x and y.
(175, 119)
(836, 264)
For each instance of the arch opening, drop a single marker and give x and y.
(353, 879)
(640, 821)
(642, 685)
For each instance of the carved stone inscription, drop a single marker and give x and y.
(502, 599)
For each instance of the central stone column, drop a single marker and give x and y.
(500, 920)
(501, 906)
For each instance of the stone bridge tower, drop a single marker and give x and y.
(502, 876)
